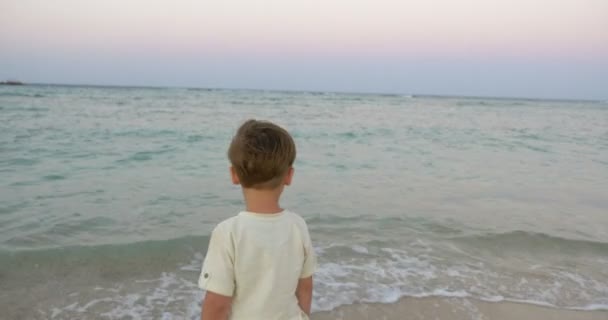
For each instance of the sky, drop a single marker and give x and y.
(507, 48)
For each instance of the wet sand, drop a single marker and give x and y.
(455, 309)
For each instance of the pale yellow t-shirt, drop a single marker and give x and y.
(258, 259)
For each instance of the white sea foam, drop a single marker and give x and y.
(360, 249)
(397, 274)
(173, 295)
(385, 278)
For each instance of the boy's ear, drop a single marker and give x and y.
(233, 176)
(289, 176)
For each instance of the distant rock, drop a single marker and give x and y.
(11, 83)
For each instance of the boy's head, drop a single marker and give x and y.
(262, 155)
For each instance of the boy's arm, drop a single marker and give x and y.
(304, 289)
(216, 306)
(217, 276)
(304, 294)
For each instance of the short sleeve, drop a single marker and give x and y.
(310, 258)
(217, 274)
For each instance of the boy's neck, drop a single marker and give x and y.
(263, 200)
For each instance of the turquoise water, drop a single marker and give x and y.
(108, 196)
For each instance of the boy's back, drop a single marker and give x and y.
(258, 259)
(260, 263)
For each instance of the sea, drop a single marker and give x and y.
(108, 196)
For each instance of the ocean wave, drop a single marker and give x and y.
(147, 133)
(172, 295)
(206, 89)
(89, 255)
(26, 109)
(526, 240)
(386, 280)
(157, 279)
(387, 224)
(146, 155)
(21, 94)
(19, 162)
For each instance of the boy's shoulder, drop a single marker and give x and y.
(228, 225)
(296, 217)
(297, 220)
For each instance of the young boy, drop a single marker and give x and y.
(260, 263)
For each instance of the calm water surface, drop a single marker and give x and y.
(108, 196)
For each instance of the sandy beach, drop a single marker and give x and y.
(455, 309)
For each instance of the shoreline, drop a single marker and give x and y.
(454, 308)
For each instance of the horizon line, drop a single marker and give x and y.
(386, 93)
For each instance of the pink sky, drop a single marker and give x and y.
(566, 30)
(417, 26)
